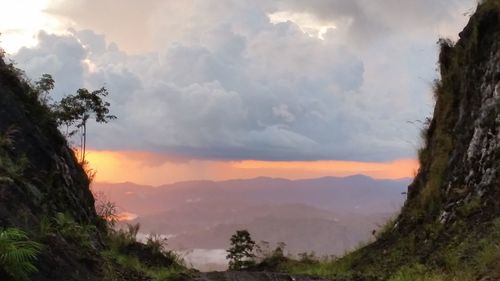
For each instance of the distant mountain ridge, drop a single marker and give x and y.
(327, 215)
(338, 194)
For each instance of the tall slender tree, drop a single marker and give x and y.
(76, 110)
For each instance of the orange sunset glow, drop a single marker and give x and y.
(151, 169)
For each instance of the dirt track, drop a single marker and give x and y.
(251, 276)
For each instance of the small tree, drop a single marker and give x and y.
(240, 254)
(76, 110)
(42, 88)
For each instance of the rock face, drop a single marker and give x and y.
(39, 178)
(474, 167)
(454, 201)
(460, 163)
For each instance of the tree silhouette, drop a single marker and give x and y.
(76, 110)
(42, 88)
(240, 254)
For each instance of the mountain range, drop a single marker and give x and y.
(327, 215)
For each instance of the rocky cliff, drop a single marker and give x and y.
(451, 220)
(40, 180)
(459, 164)
(49, 227)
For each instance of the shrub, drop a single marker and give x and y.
(121, 238)
(157, 243)
(272, 260)
(106, 209)
(73, 231)
(133, 230)
(151, 259)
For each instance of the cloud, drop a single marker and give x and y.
(124, 21)
(369, 20)
(282, 112)
(60, 55)
(219, 80)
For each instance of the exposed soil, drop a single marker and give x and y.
(250, 276)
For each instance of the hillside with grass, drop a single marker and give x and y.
(49, 227)
(449, 228)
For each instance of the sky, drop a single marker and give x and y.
(219, 89)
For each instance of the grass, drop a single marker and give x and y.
(73, 232)
(461, 259)
(124, 258)
(329, 267)
(419, 272)
(130, 262)
(338, 269)
(124, 254)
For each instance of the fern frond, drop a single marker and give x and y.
(17, 253)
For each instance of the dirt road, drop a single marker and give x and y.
(251, 276)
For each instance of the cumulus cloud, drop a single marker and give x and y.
(62, 56)
(219, 80)
(282, 111)
(374, 20)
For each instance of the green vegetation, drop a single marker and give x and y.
(10, 167)
(124, 258)
(17, 254)
(47, 184)
(73, 232)
(240, 254)
(462, 259)
(151, 259)
(271, 260)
